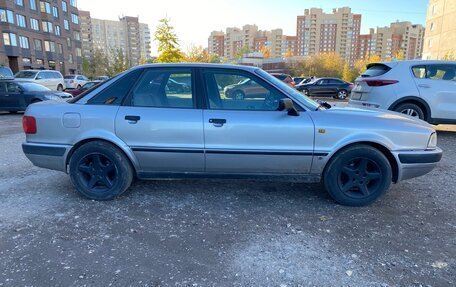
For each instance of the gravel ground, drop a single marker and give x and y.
(222, 233)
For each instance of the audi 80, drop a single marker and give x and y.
(132, 126)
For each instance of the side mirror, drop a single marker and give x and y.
(287, 105)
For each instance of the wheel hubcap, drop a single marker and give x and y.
(411, 112)
(97, 172)
(360, 178)
(342, 94)
(238, 96)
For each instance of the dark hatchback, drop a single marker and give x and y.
(87, 86)
(16, 96)
(326, 87)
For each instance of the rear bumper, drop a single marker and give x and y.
(48, 156)
(417, 163)
(366, 104)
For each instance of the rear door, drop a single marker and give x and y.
(15, 95)
(163, 126)
(4, 97)
(249, 136)
(437, 85)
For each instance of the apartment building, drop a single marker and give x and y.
(289, 46)
(387, 41)
(216, 43)
(127, 34)
(40, 35)
(440, 35)
(320, 32)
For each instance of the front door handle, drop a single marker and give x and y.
(424, 86)
(217, 122)
(132, 119)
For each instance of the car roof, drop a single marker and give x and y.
(197, 65)
(414, 62)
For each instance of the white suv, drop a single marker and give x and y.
(75, 81)
(418, 88)
(48, 78)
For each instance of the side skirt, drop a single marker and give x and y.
(302, 178)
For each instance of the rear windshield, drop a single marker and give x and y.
(375, 70)
(26, 74)
(69, 77)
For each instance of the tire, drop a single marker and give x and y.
(342, 94)
(100, 171)
(79, 87)
(305, 92)
(357, 175)
(59, 88)
(410, 110)
(238, 95)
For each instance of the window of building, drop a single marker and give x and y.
(6, 16)
(70, 58)
(66, 24)
(74, 18)
(21, 22)
(24, 42)
(27, 61)
(57, 30)
(19, 2)
(73, 3)
(77, 36)
(45, 7)
(32, 4)
(69, 42)
(55, 12)
(78, 52)
(34, 24)
(10, 39)
(64, 6)
(38, 45)
(39, 61)
(47, 26)
(60, 48)
(49, 46)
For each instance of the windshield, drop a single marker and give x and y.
(89, 85)
(306, 101)
(69, 77)
(26, 75)
(5, 73)
(32, 87)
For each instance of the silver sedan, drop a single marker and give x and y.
(139, 125)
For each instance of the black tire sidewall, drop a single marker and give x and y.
(116, 156)
(336, 164)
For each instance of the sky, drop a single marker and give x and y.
(194, 20)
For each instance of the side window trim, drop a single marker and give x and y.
(128, 99)
(243, 73)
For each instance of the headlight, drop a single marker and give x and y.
(53, 98)
(432, 141)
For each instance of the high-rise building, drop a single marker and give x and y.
(40, 35)
(216, 43)
(289, 46)
(319, 32)
(440, 35)
(127, 35)
(386, 42)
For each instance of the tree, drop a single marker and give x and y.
(119, 63)
(266, 51)
(400, 55)
(288, 54)
(168, 43)
(244, 50)
(98, 65)
(348, 73)
(449, 56)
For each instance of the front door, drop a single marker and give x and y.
(249, 135)
(162, 126)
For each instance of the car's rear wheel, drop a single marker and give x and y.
(410, 110)
(305, 92)
(238, 95)
(59, 88)
(100, 171)
(79, 87)
(342, 94)
(358, 175)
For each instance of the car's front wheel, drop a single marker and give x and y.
(342, 94)
(100, 171)
(59, 88)
(358, 175)
(238, 95)
(410, 110)
(305, 92)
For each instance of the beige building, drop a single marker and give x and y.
(216, 43)
(127, 34)
(387, 41)
(440, 35)
(319, 32)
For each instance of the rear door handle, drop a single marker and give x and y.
(132, 119)
(217, 122)
(424, 86)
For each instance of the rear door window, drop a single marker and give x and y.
(441, 72)
(419, 72)
(376, 70)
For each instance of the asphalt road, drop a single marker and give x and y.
(222, 233)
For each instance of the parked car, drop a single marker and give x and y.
(101, 78)
(75, 81)
(246, 88)
(85, 87)
(6, 73)
(287, 79)
(418, 88)
(15, 96)
(131, 127)
(48, 78)
(175, 86)
(302, 80)
(337, 88)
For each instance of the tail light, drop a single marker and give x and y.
(380, 83)
(351, 85)
(29, 125)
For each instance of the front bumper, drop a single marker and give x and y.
(417, 163)
(48, 156)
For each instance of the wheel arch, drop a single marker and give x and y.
(125, 150)
(382, 148)
(414, 100)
